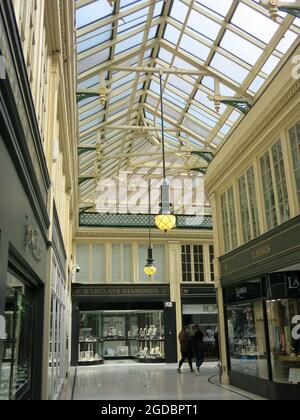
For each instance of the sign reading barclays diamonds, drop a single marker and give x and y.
(117, 291)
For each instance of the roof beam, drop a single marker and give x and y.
(162, 70)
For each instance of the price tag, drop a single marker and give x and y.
(294, 376)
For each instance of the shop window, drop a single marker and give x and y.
(248, 206)
(229, 220)
(253, 202)
(275, 187)
(211, 262)
(247, 344)
(98, 264)
(280, 182)
(121, 335)
(295, 150)
(268, 190)
(284, 330)
(122, 263)
(83, 260)
(245, 215)
(57, 338)
(16, 367)
(192, 263)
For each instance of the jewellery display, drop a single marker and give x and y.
(107, 335)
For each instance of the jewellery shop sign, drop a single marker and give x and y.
(143, 291)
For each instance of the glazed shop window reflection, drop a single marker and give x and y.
(247, 339)
(15, 371)
(284, 328)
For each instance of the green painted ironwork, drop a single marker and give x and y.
(83, 96)
(200, 170)
(294, 11)
(99, 220)
(208, 156)
(82, 150)
(243, 107)
(82, 179)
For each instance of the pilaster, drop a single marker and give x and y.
(175, 282)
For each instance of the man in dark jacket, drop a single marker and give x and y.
(197, 346)
(186, 349)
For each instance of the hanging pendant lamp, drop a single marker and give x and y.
(165, 221)
(150, 268)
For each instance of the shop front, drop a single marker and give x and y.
(24, 224)
(263, 315)
(199, 307)
(123, 322)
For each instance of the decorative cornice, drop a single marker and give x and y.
(120, 234)
(276, 110)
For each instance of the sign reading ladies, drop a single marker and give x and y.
(296, 329)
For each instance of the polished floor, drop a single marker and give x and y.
(131, 381)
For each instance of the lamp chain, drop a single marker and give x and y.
(149, 192)
(162, 123)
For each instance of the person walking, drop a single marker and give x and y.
(197, 346)
(186, 349)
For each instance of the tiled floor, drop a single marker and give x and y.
(132, 381)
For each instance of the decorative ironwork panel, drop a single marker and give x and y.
(140, 221)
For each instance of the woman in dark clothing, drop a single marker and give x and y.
(197, 346)
(186, 349)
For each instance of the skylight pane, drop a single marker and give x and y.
(133, 20)
(92, 12)
(256, 84)
(153, 32)
(172, 34)
(180, 84)
(93, 60)
(203, 25)
(191, 46)
(270, 65)
(241, 48)
(286, 42)
(95, 38)
(130, 42)
(229, 68)
(165, 55)
(254, 23)
(219, 6)
(179, 11)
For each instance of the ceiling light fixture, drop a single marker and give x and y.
(150, 268)
(165, 221)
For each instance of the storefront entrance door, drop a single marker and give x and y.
(16, 368)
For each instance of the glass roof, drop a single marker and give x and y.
(206, 47)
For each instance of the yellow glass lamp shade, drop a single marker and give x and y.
(150, 270)
(165, 222)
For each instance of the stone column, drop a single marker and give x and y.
(175, 271)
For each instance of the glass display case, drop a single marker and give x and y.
(106, 335)
(90, 339)
(284, 330)
(247, 341)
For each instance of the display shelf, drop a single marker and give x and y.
(108, 340)
(139, 360)
(91, 363)
(159, 340)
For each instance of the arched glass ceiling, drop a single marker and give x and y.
(232, 42)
